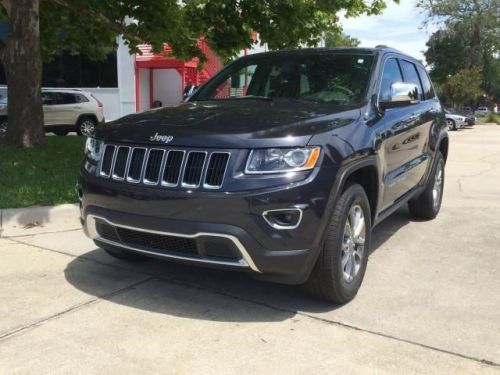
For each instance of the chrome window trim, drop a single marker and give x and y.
(283, 227)
(145, 180)
(132, 180)
(245, 261)
(167, 184)
(113, 176)
(194, 186)
(214, 187)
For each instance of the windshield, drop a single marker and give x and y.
(324, 77)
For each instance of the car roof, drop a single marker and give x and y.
(72, 91)
(378, 50)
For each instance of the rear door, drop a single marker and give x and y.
(66, 108)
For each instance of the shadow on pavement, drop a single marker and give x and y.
(189, 291)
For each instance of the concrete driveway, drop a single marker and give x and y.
(429, 304)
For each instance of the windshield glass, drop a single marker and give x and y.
(324, 77)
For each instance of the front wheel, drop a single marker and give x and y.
(427, 205)
(341, 265)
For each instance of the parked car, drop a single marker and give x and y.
(454, 121)
(64, 110)
(280, 165)
(482, 111)
(470, 120)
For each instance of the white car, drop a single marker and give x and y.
(482, 111)
(64, 110)
(455, 121)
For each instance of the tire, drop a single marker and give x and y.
(427, 205)
(3, 128)
(332, 279)
(451, 124)
(60, 133)
(125, 255)
(86, 126)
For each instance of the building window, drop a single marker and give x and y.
(66, 70)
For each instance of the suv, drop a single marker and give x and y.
(280, 165)
(64, 110)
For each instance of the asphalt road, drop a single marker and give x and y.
(429, 304)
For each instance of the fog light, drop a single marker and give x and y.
(286, 218)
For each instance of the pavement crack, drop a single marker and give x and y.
(38, 234)
(76, 307)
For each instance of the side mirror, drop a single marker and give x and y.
(402, 94)
(189, 90)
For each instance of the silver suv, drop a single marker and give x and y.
(64, 110)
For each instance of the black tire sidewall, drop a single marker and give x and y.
(355, 195)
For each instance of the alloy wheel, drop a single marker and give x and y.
(87, 128)
(353, 243)
(438, 187)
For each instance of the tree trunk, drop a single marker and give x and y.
(22, 61)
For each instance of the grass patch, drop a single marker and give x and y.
(42, 176)
(491, 118)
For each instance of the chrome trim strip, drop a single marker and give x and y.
(283, 227)
(167, 184)
(145, 180)
(132, 180)
(194, 186)
(113, 175)
(244, 262)
(207, 186)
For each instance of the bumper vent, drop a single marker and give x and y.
(189, 169)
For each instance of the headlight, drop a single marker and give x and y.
(94, 148)
(278, 160)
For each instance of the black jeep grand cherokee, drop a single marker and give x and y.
(280, 165)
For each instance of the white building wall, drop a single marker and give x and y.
(126, 79)
(167, 86)
(145, 102)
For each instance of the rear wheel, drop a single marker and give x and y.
(427, 205)
(86, 126)
(3, 128)
(451, 124)
(341, 266)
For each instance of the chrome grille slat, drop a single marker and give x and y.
(136, 165)
(120, 163)
(107, 161)
(193, 170)
(165, 167)
(153, 166)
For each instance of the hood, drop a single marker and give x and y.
(229, 124)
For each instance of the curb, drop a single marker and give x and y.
(16, 222)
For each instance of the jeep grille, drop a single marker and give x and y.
(188, 169)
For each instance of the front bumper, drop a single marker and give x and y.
(211, 220)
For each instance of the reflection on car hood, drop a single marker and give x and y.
(230, 124)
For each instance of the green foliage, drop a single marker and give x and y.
(464, 86)
(41, 176)
(91, 26)
(338, 39)
(470, 37)
(493, 117)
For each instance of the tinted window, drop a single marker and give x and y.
(426, 84)
(328, 78)
(48, 98)
(81, 98)
(391, 74)
(411, 75)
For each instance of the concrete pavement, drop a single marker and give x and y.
(429, 303)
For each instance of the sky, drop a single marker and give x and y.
(399, 26)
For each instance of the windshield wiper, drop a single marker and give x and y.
(255, 97)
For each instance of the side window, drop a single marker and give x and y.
(67, 98)
(48, 98)
(391, 74)
(426, 83)
(81, 98)
(236, 85)
(411, 75)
